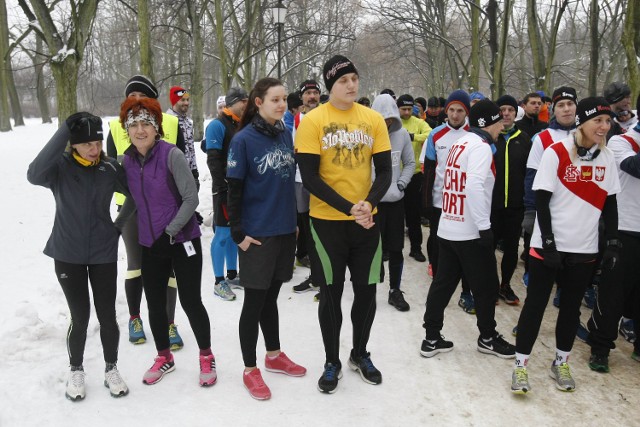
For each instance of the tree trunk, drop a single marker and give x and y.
(474, 77)
(42, 93)
(498, 74)
(492, 14)
(144, 28)
(195, 16)
(594, 58)
(535, 41)
(630, 34)
(5, 121)
(65, 74)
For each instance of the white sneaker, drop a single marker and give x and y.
(75, 385)
(222, 290)
(113, 381)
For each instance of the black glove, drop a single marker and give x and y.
(552, 258)
(76, 118)
(412, 136)
(486, 239)
(162, 246)
(611, 254)
(199, 218)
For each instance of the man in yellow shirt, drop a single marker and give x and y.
(335, 146)
(419, 131)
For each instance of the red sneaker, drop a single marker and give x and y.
(282, 364)
(255, 384)
(430, 270)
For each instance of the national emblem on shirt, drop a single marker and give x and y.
(586, 173)
(571, 173)
(600, 173)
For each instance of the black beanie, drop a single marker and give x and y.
(309, 84)
(433, 102)
(293, 100)
(423, 102)
(86, 129)
(592, 107)
(616, 91)
(563, 92)
(484, 113)
(142, 84)
(507, 100)
(335, 68)
(388, 92)
(405, 100)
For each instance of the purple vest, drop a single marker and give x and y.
(157, 198)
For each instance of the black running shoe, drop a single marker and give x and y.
(497, 346)
(328, 382)
(506, 293)
(396, 299)
(599, 363)
(304, 286)
(432, 347)
(364, 366)
(418, 255)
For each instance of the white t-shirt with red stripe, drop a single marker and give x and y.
(469, 177)
(437, 147)
(579, 188)
(541, 141)
(623, 147)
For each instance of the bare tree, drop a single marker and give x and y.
(5, 69)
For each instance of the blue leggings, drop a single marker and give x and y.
(223, 248)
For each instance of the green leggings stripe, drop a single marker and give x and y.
(376, 264)
(324, 257)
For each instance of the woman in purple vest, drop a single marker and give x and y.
(166, 198)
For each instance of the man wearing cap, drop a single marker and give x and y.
(507, 207)
(418, 131)
(618, 95)
(564, 105)
(220, 104)
(336, 145)
(118, 141)
(619, 293)
(436, 151)
(433, 114)
(218, 138)
(309, 93)
(466, 240)
(294, 104)
(531, 123)
(180, 100)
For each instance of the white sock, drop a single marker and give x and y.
(561, 357)
(522, 360)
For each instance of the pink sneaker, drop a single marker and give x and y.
(161, 366)
(255, 384)
(208, 375)
(282, 364)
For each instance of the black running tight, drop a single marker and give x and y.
(73, 279)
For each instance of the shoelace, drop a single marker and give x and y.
(158, 363)
(137, 325)
(330, 372)
(77, 378)
(564, 372)
(224, 288)
(257, 380)
(521, 376)
(368, 363)
(173, 329)
(207, 364)
(113, 377)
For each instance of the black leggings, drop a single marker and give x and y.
(103, 280)
(260, 308)
(156, 270)
(573, 279)
(506, 225)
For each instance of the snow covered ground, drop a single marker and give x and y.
(463, 387)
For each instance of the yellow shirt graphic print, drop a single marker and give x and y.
(345, 140)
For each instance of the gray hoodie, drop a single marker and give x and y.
(403, 161)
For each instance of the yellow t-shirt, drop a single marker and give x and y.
(345, 140)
